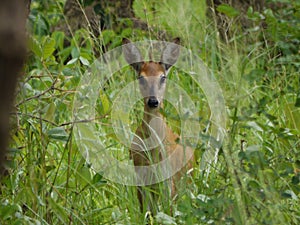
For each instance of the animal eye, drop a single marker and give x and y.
(141, 80)
(163, 79)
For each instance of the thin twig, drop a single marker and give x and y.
(38, 95)
(62, 124)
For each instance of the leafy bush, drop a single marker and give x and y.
(257, 177)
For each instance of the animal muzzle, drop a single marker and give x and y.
(153, 102)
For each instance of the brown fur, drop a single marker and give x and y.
(152, 73)
(151, 69)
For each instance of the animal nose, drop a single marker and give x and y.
(152, 102)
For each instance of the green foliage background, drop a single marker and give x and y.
(257, 177)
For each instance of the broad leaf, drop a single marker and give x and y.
(228, 10)
(48, 48)
(58, 133)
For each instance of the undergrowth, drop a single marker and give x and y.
(256, 179)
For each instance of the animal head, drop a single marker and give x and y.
(152, 76)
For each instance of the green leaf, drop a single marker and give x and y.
(83, 175)
(84, 61)
(75, 52)
(50, 112)
(65, 53)
(228, 10)
(289, 194)
(87, 55)
(164, 218)
(255, 16)
(59, 38)
(98, 179)
(58, 133)
(107, 36)
(48, 48)
(255, 126)
(35, 47)
(104, 103)
(72, 61)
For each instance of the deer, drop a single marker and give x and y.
(162, 141)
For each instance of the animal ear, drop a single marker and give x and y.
(132, 54)
(170, 54)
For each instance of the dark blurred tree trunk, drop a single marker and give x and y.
(223, 23)
(12, 55)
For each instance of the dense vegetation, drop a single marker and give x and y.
(256, 179)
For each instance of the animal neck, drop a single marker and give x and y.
(153, 123)
(150, 114)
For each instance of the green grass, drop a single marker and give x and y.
(256, 179)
